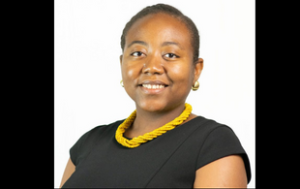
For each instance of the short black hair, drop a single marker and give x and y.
(163, 8)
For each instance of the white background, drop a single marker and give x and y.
(87, 67)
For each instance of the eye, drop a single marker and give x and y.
(171, 56)
(136, 54)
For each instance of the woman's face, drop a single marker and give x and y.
(157, 63)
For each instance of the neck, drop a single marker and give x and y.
(146, 121)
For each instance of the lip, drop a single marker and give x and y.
(154, 82)
(152, 91)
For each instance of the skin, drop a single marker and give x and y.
(227, 172)
(158, 48)
(69, 170)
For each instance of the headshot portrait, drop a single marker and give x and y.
(154, 94)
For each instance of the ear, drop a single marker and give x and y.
(198, 69)
(121, 57)
(121, 61)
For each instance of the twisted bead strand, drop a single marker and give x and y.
(137, 141)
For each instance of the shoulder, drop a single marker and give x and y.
(217, 140)
(97, 131)
(101, 129)
(204, 126)
(203, 131)
(209, 127)
(86, 142)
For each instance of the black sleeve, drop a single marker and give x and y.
(82, 147)
(222, 142)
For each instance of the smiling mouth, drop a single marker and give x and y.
(153, 86)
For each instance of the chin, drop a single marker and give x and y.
(151, 106)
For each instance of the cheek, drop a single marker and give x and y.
(131, 73)
(128, 72)
(182, 75)
(130, 78)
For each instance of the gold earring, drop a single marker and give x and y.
(196, 86)
(121, 83)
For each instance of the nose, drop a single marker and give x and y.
(153, 66)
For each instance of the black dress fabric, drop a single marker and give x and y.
(168, 161)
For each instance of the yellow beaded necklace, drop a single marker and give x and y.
(137, 141)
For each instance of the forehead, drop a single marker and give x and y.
(159, 27)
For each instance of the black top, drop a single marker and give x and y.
(170, 160)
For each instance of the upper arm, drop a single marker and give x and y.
(69, 170)
(228, 171)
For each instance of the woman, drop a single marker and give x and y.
(161, 144)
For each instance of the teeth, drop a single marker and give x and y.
(149, 86)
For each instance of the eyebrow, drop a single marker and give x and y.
(166, 43)
(137, 42)
(172, 43)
